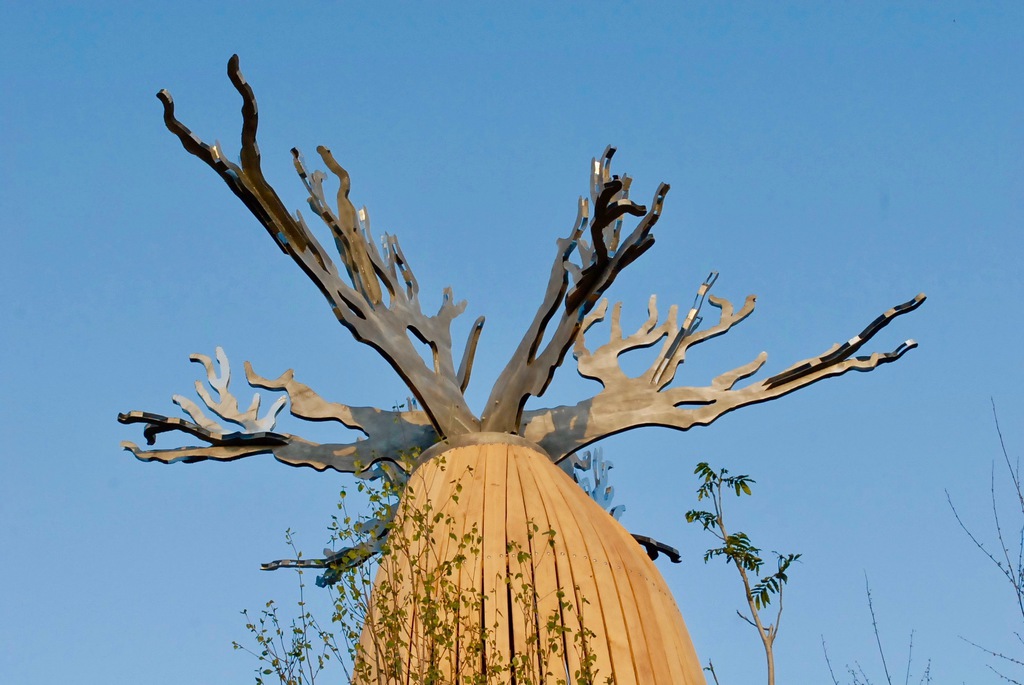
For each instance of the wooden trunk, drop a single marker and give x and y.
(590, 572)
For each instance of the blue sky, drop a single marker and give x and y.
(835, 159)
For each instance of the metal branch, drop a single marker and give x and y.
(226, 404)
(655, 547)
(390, 434)
(356, 295)
(630, 402)
(531, 367)
(370, 536)
(466, 366)
(360, 457)
(157, 423)
(348, 239)
(191, 455)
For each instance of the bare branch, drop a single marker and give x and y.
(710, 668)
(531, 367)
(993, 653)
(648, 400)
(745, 618)
(357, 297)
(874, 625)
(1013, 572)
(827, 662)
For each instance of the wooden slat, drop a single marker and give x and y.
(440, 492)
(548, 587)
(518, 534)
(632, 620)
(466, 468)
(585, 526)
(684, 649)
(372, 640)
(574, 554)
(427, 485)
(493, 462)
(547, 565)
(635, 588)
(599, 529)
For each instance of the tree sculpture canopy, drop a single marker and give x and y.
(374, 293)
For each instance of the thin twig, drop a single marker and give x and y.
(993, 653)
(710, 668)
(910, 658)
(980, 545)
(1014, 471)
(827, 662)
(874, 624)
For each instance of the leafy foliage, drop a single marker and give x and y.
(737, 549)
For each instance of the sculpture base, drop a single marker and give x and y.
(586, 588)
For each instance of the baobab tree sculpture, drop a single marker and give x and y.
(510, 455)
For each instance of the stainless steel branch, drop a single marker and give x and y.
(628, 402)
(357, 298)
(531, 367)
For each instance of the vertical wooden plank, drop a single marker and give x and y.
(415, 547)
(668, 620)
(635, 588)
(493, 461)
(373, 637)
(569, 542)
(467, 470)
(587, 525)
(685, 665)
(548, 567)
(684, 650)
(622, 620)
(523, 575)
(406, 549)
(550, 577)
(442, 508)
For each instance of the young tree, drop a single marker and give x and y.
(737, 549)
(515, 453)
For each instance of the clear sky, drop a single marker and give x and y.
(833, 158)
